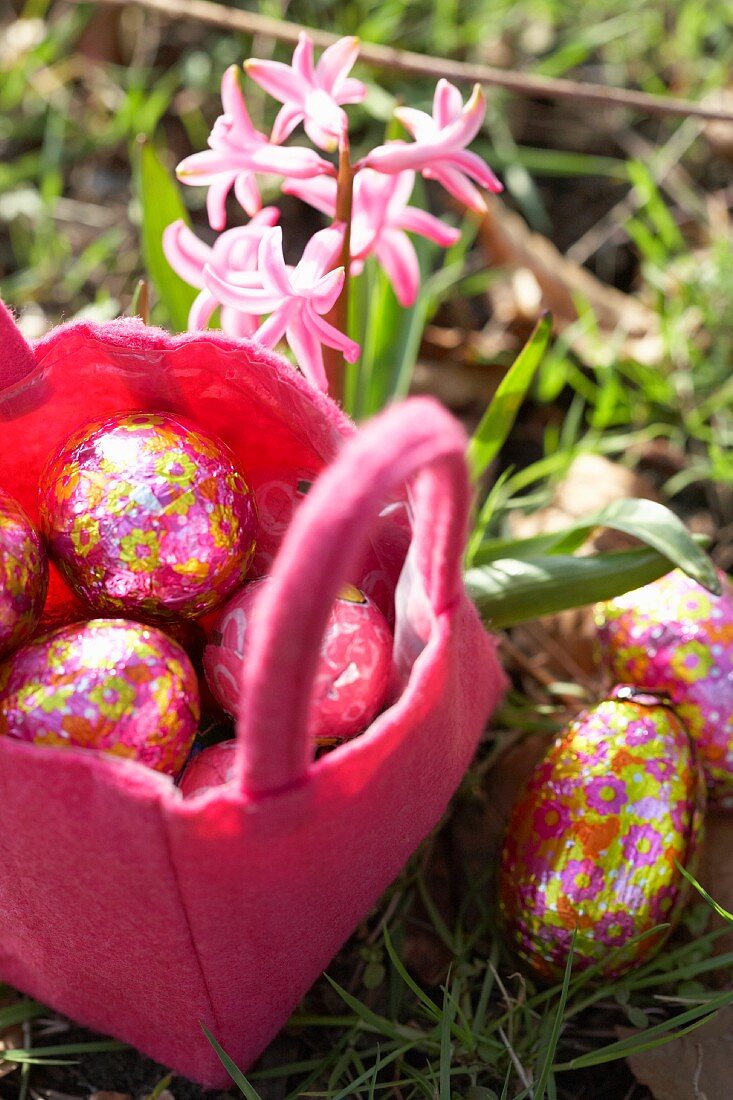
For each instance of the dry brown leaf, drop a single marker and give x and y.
(54, 1094)
(118, 1096)
(461, 386)
(542, 278)
(715, 873)
(478, 824)
(695, 1067)
(591, 483)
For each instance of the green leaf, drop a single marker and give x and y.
(233, 1070)
(499, 418)
(646, 520)
(161, 204)
(510, 591)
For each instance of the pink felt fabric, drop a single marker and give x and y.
(142, 914)
(16, 358)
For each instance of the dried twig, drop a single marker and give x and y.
(216, 15)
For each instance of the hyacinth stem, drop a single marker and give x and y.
(339, 316)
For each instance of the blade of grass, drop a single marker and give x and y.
(446, 1047)
(44, 1054)
(666, 1031)
(497, 421)
(375, 1022)
(399, 966)
(703, 892)
(545, 1069)
(20, 1013)
(233, 1070)
(161, 1087)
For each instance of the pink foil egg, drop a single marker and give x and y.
(148, 516)
(594, 839)
(109, 684)
(211, 768)
(353, 670)
(675, 636)
(23, 575)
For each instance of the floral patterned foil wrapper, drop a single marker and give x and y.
(675, 636)
(354, 666)
(592, 841)
(23, 575)
(110, 685)
(148, 516)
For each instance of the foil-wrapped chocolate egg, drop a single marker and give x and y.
(354, 665)
(109, 684)
(23, 575)
(675, 636)
(210, 768)
(148, 516)
(593, 841)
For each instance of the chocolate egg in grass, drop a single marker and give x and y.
(675, 636)
(594, 841)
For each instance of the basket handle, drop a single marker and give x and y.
(416, 439)
(16, 357)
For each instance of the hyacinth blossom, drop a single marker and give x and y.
(296, 299)
(379, 220)
(236, 152)
(233, 256)
(439, 149)
(311, 94)
(245, 272)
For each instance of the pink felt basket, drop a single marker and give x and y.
(142, 915)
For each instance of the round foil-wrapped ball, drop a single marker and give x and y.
(210, 768)
(354, 665)
(593, 840)
(23, 575)
(109, 684)
(148, 516)
(675, 636)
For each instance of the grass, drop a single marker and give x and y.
(485, 1024)
(424, 1001)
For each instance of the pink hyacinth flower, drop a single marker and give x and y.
(296, 299)
(233, 256)
(380, 216)
(309, 93)
(236, 152)
(438, 150)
